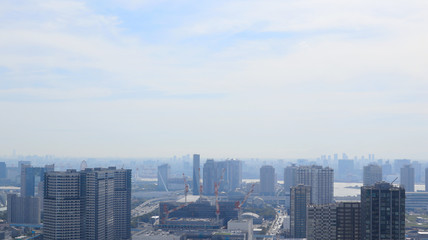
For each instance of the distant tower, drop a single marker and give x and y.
(210, 176)
(372, 174)
(407, 178)
(290, 177)
(426, 179)
(382, 212)
(267, 180)
(196, 177)
(163, 172)
(300, 198)
(320, 180)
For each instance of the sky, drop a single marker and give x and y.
(224, 78)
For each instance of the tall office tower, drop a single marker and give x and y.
(63, 205)
(267, 180)
(346, 167)
(382, 212)
(23, 210)
(300, 198)
(210, 177)
(372, 174)
(163, 172)
(399, 163)
(348, 221)
(122, 203)
(426, 179)
(98, 211)
(233, 174)
(407, 178)
(196, 172)
(32, 177)
(90, 204)
(321, 181)
(321, 222)
(417, 166)
(3, 170)
(290, 177)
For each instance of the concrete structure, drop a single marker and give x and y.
(300, 198)
(196, 172)
(122, 203)
(23, 210)
(416, 200)
(348, 221)
(321, 181)
(290, 177)
(163, 174)
(372, 174)
(230, 169)
(210, 177)
(3, 170)
(382, 212)
(267, 180)
(407, 178)
(245, 226)
(321, 222)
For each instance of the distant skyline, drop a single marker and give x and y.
(245, 79)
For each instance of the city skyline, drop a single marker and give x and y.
(225, 78)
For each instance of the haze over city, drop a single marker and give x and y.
(267, 79)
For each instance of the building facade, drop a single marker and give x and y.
(300, 198)
(23, 210)
(196, 174)
(321, 180)
(290, 177)
(407, 178)
(321, 222)
(267, 180)
(372, 174)
(382, 212)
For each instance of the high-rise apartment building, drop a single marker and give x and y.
(163, 173)
(382, 212)
(196, 173)
(122, 204)
(321, 181)
(300, 198)
(267, 180)
(228, 174)
(335, 221)
(290, 177)
(23, 210)
(407, 178)
(90, 204)
(372, 174)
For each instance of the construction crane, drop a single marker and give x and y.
(186, 188)
(238, 204)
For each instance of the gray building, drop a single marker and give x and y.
(90, 204)
(290, 177)
(163, 174)
(372, 174)
(300, 198)
(321, 222)
(228, 174)
(426, 179)
(407, 178)
(321, 181)
(210, 177)
(196, 174)
(348, 221)
(3, 170)
(382, 212)
(267, 180)
(23, 210)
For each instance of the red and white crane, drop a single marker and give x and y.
(238, 204)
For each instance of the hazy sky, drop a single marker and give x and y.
(221, 78)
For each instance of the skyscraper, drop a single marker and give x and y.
(407, 178)
(290, 177)
(23, 210)
(426, 179)
(267, 180)
(122, 203)
(163, 172)
(196, 172)
(382, 212)
(372, 174)
(300, 198)
(90, 204)
(210, 177)
(63, 205)
(321, 181)
(348, 221)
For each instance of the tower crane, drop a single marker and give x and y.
(238, 204)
